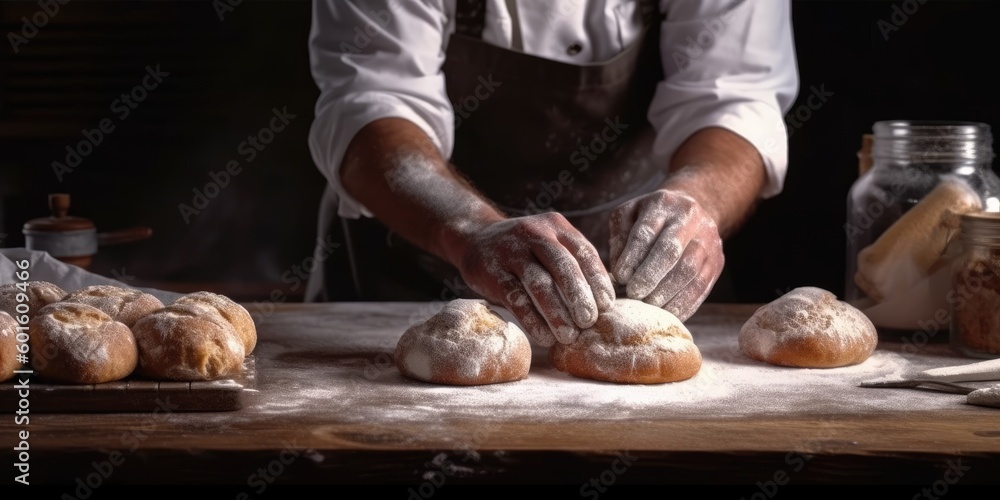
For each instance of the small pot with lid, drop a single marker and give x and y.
(73, 239)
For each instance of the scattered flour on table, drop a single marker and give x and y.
(360, 385)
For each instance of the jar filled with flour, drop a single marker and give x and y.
(903, 215)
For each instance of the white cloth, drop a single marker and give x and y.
(44, 267)
(728, 63)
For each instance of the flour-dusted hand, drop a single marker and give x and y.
(666, 250)
(543, 270)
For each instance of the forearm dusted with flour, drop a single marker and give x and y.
(723, 172)
(396, 171)
(538, 266)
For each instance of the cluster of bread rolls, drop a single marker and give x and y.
(104, 333)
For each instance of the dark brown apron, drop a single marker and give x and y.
(533, 135)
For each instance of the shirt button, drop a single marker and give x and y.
(574, 49)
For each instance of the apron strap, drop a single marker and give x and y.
(470, 18)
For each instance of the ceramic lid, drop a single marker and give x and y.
(58, 222)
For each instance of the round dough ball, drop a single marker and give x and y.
(632, 343)
(8, 347)
(123, 304)
(464, 344)
(236, 314)
(808, 328)
(80, 344)
(188, 342)
(39, 295)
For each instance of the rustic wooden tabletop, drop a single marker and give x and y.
(330, 407)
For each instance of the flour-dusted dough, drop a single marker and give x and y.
(464, 344)
(808, 328)
(8, 347)
(38, 294)
(188, 342)
(633, 343)
(79, 344)
(123, 304)
(234, 313)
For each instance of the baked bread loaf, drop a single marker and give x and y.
(39, 294)
(79, 344)
(234, 313)
(464, 344)
(8, 347)
(911, 248)
(808, 328)
(632, 343)
(122, 304)
(188, 342)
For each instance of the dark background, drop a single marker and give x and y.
(226, 76)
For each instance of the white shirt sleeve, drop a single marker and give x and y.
(374, 59)
(731, 65)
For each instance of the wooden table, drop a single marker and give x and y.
(331, 408)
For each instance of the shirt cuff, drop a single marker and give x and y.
(760, 124)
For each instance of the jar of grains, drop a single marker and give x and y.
(975, 293)
(903, 214)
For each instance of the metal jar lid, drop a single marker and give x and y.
(932, 141)
(981, 228)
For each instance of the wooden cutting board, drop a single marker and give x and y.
(134, 395)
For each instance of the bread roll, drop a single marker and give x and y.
(79, 344)
(123, 304)
(38, 294)
(808, 328)
(236, 314)
(188, 342)
(8, 347)
(464, 344)
(633, 343)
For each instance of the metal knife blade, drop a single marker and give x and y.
(914, 383)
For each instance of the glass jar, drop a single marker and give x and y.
(903, 214)
(975, 287)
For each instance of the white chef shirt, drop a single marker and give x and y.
(728, 63)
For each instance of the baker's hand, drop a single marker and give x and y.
(666, 250)
(543, 270)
